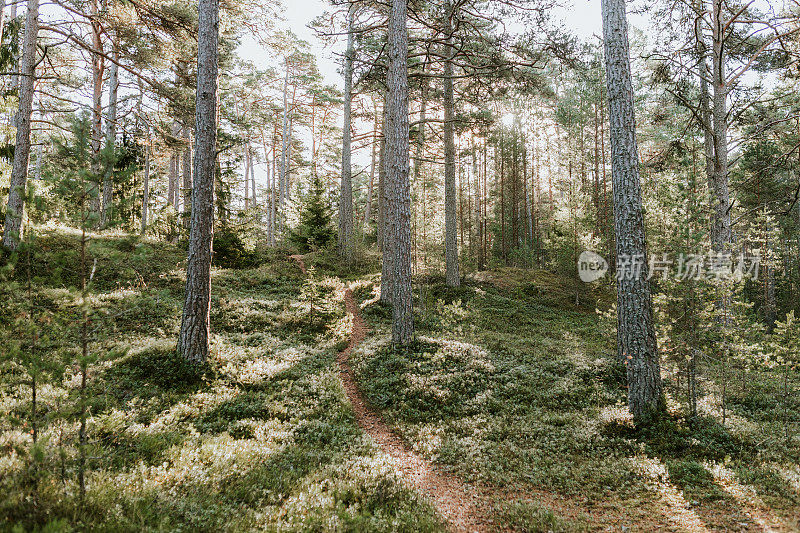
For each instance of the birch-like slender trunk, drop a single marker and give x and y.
(111, 139)
(346, 245)
(398, 234)
(193, 342)
(452, 277)
(19, 171)
(635, 332)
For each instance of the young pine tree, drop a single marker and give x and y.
(314, 229)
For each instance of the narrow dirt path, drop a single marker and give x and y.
(453, 500)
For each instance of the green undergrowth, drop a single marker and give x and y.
(262, 437)
(513, 381)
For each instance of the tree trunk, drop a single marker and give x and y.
(187, 180)
(284, 147)
(193, 343)
(111, 139)
(478, 223)
(387, 291)
(373, 164)
(452, 277)
(2, 18)
(146, 191)
(705, 103)
(22, 151)
(398, 234)
(252, 177)
(97, 105)
(346, 199)
(246, 178)
(12, 15)
(720, 194)
(635, 331)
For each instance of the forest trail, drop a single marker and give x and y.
(454, 500)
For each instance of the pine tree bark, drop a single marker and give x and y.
(720, 194)
(12, 233)
(346, 198)
(398, 234)
(111, 139)
(452, 277)
(635, 332)
(193, 342)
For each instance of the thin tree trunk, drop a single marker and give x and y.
(12, 15)
(187, 180)
(146, 191)
(346, 198)
(284, 146)
(372, 166)
(19, 171)
(253, 178)
(452, 277)
(382, 191)
(705, 103)
(478, 224)
(97, 105)
(246, 178)
(635, 331)
(111, 139)
(398, 235)
(193, 342)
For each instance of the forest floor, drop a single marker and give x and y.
(507, 415)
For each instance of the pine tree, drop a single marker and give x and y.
(314, 229)
(635, 331)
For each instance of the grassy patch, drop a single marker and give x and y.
(260, 438)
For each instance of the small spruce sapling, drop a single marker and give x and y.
(311, 293)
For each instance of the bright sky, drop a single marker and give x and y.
(579, 16)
